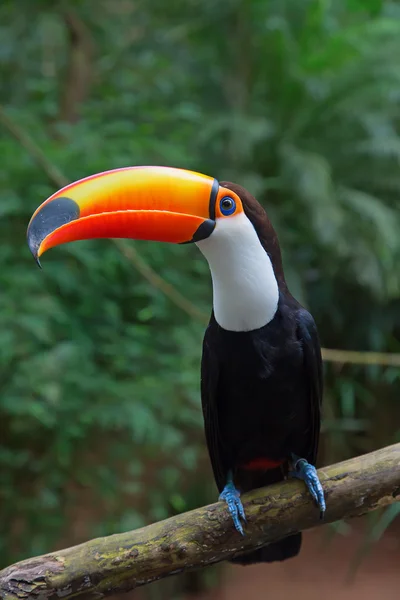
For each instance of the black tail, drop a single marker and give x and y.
(282, 550)
(277, 551)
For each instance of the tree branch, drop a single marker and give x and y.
(58, 178)
(79, 72)
(193, 540)
(160, 284)
(361, 357)
(33, 150)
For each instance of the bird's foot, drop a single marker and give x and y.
(308, 473)
(232, 497)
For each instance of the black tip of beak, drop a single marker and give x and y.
(33, 246)
(38, 262)
(55, 213)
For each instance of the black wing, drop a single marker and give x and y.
(210, 377)
(308, 335)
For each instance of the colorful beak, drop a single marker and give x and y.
(144, 203)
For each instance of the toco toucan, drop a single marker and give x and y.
(261, 372)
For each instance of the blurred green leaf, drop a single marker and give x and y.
(100, 417)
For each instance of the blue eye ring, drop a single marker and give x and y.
(227, 206)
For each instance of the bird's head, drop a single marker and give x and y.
(174, 205)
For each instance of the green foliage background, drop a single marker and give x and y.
(99, 371)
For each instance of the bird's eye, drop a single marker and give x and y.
(227, 206)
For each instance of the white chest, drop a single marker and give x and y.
(245, 290)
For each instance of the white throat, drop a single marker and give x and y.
(244, 285)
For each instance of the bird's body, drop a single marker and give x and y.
(261, 374)
(261, 387)
(257, 402)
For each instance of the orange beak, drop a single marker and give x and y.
(144, 203)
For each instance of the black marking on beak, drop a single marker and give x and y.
(213, 198)
(55, 213)
(203, 231)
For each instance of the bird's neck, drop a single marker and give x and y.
(245, 288)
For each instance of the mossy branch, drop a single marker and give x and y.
(193, 540)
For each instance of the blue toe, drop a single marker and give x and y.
(232, 497)
(308, 473)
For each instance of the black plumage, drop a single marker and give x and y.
(262, 390)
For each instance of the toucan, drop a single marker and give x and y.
(261, 369)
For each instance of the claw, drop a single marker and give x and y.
(308, 473)
(232, 497)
